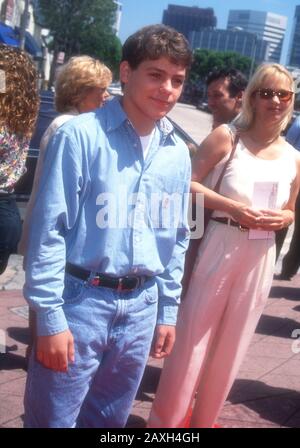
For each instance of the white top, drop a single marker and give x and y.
(146, 141)
(245, 169)
(52, 128)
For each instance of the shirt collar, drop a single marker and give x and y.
(117, 116)
(115, 113)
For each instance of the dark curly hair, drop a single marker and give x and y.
(237, 80)
(19, 98)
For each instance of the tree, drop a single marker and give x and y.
(207, 60)
(204, 62)
(82, 27)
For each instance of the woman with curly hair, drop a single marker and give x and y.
(19, 102)
(81, 86)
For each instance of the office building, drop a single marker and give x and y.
(117, 23)
(241, 42)
(186, 19)
(294, 47)
(265, 25)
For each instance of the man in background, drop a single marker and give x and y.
(225, 89)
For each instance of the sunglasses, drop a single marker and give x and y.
(282, 95)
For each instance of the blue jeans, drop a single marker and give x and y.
(112, 333)
(10, 228)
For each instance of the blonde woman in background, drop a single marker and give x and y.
(19, 103)
(81, 86)
(233, 274)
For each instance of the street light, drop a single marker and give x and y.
(253, 54)
(253, 48)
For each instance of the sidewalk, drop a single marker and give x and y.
(265, 394)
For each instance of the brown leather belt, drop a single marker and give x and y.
(231, 222)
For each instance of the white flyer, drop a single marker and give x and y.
(264, 196)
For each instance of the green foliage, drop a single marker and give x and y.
(207, 60)
(82, 27)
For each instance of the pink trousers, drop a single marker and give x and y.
(227, 293)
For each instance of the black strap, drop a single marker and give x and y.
(235, 142)
(216, 189)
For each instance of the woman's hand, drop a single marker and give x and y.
(274, 219)
(245, 215)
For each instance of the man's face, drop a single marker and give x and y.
(150, 90)
(223, 107)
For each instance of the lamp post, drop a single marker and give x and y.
(254, 46)
(24, 22)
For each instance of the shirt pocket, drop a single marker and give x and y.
(167, 184)
(167, 201)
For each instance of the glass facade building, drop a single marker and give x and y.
(265, 25)
(294, 48)
(239, 41)
(186, 19)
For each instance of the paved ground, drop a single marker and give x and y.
(265, 394)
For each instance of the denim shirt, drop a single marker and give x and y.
(92, 209)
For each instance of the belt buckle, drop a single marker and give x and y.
(95, 281)
(122, 288)
(120, 284)
(242, 229)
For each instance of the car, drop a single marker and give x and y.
(203, 105)
(115, 88)
(46, 114)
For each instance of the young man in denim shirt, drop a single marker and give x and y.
(107, 243)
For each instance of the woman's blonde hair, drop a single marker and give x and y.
(75, 78)
(19, 98)
(245, 119)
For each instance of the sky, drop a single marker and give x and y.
(138, 13)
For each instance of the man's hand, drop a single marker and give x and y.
(56, 351)
(163, 341)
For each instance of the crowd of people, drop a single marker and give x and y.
(106, 230)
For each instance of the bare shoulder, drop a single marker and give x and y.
(213, 149)
(218, 142)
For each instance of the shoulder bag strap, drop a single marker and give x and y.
(235, 142)
(209, 211)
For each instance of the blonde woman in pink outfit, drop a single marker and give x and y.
(233, 273)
